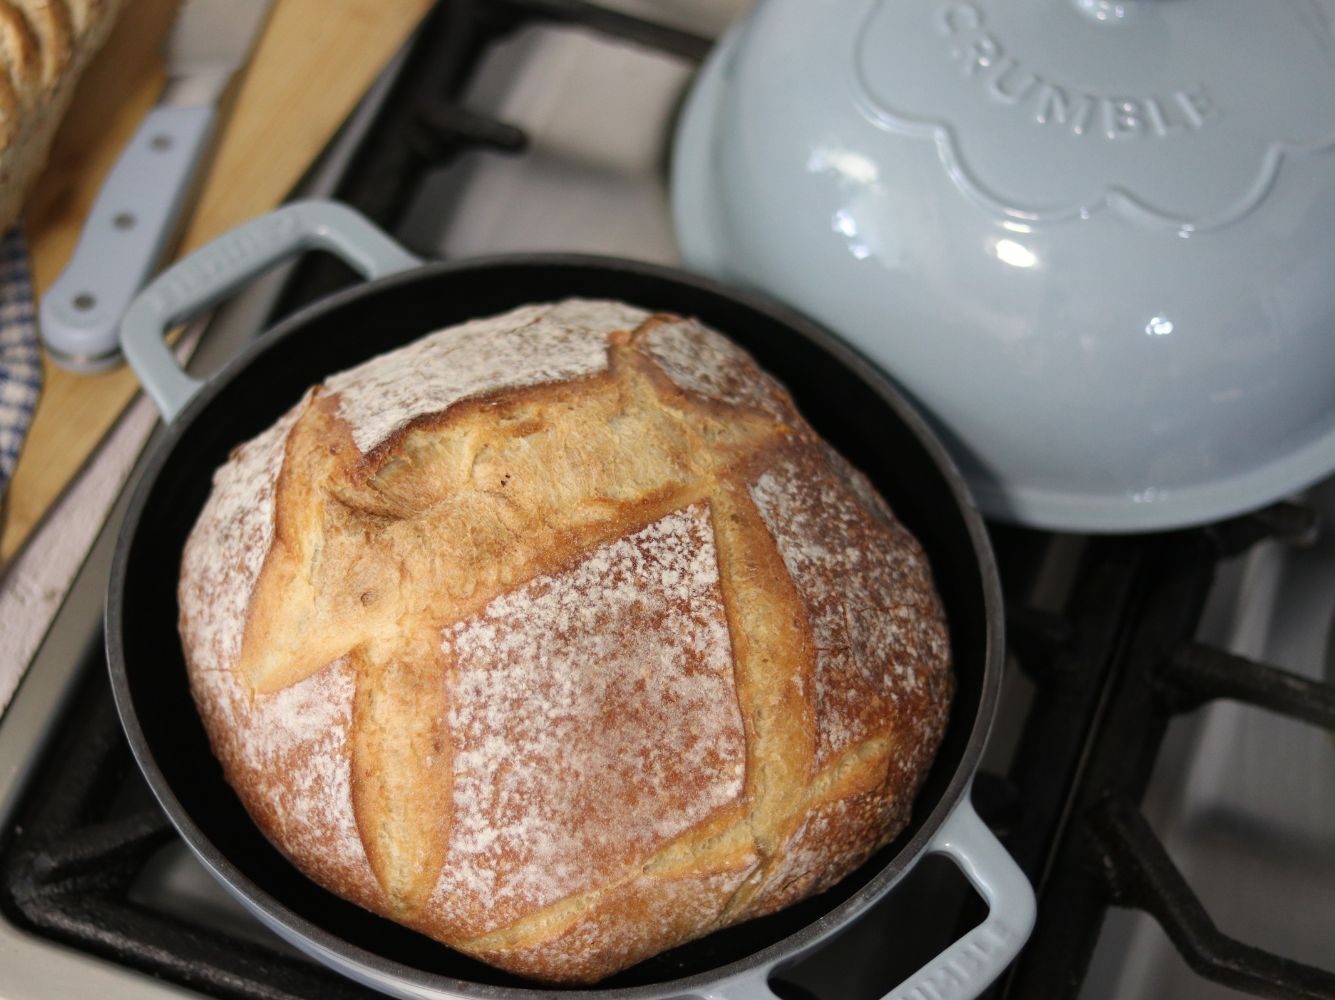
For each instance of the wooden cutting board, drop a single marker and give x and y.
(315, 59)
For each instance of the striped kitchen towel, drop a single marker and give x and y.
(20, 357)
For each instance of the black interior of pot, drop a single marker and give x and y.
(850, 407)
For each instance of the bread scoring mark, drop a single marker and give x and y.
(531, 345)
(773, 656)
(721, 846)
(851, 827)
(632, 921)
(299, 731)
(463, 505)
(83, 12)
(879, 632)
(23, 59)
(401, 767)
(226, 550)
(620, 667)
(50, 20)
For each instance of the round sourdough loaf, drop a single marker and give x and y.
(562, 638)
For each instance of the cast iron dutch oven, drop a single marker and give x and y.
(847, 400)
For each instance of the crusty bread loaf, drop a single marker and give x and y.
(44, 46)
(562, 638)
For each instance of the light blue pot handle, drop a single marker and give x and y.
(215, 270)
(968, 966)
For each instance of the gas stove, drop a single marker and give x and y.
(1162, 766)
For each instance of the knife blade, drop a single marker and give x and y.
(139, 208)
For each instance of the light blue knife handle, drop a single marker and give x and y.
(124, 238)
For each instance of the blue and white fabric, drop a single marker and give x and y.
(20, 357)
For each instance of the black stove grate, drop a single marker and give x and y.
(1112, 674)
(1110, 670)
(85, 831)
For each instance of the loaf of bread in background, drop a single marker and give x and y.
(44, 47)
(562, 638)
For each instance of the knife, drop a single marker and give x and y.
(141, 204)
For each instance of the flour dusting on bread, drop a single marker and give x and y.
(616, 654)
(866, 587)
(227, 548)
(621, 668)
(528, 346)
(699, 360)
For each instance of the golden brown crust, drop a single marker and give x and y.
(22, 58)
(52, 25)
(44, 47)
(563, 655)
(634, 921)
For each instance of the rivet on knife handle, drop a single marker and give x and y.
(126, 234)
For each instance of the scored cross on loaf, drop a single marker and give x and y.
(562, 638)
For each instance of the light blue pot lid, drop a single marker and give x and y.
(1171, 113)
(699, 206)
